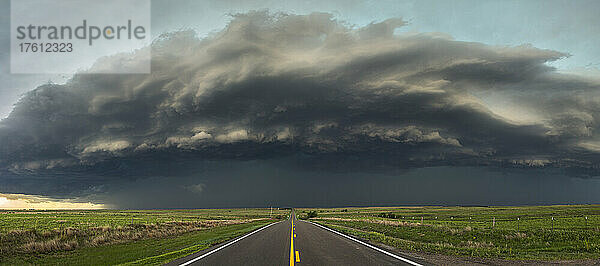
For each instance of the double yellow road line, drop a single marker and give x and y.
(293, 258)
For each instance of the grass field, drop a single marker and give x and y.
(515, 233)
(120, 237)
(158, 236)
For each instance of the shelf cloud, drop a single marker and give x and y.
(305, 92)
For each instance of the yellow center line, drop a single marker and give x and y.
(297, 256)
(292, 244)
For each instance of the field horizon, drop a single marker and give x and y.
(313, 207)
(521, 233)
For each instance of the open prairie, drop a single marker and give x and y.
(566, 232)
(96, 237)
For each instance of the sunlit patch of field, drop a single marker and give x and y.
(528, 232)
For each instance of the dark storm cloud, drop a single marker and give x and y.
(309, 89)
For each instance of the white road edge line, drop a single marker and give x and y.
(369, 245)
(226, 245)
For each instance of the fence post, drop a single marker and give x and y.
(493, 222)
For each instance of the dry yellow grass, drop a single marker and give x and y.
(49, 246)
(72, 238)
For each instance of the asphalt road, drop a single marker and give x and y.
(312, 245)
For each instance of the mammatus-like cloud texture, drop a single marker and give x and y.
(311, 88)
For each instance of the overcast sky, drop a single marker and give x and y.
(321, 103)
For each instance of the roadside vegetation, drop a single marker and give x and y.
(517, 233)
(50, 237)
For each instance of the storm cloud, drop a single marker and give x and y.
(306, 93)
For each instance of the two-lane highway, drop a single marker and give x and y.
(294, 242)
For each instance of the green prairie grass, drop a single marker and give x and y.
(528, 232)
(102, 237)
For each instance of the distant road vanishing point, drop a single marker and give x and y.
(295, 242)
